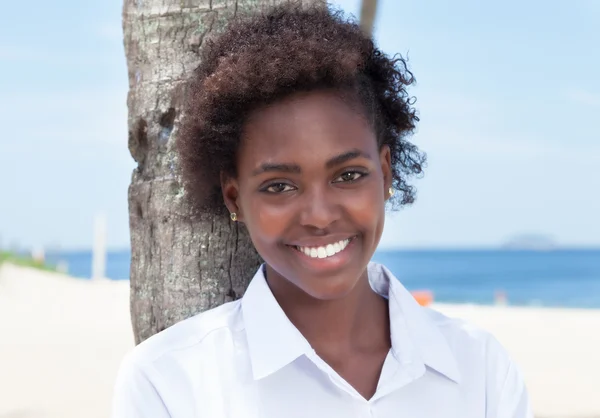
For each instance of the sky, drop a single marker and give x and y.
(507, 92)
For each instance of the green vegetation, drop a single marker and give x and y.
(6, 257)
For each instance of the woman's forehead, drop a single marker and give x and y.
(312, 126)
(309, 104)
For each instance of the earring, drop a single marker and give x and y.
(391, 191)
(233, 216)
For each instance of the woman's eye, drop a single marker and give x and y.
(278, 188)
(349, 176)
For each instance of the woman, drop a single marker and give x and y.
(298, 125)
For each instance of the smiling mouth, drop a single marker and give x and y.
(324, 251)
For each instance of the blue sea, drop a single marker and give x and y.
(566, 278)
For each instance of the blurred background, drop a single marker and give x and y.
(506, 214)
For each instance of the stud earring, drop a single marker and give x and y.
(233, 216)
(391, 191)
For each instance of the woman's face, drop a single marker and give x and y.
(311, 189)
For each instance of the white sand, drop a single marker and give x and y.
(62, 339)
(61, 342)
(558, 351)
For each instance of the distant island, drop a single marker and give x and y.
(535, 242)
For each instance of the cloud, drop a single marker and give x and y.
(470, 127)
(92, 116)
(584, 97)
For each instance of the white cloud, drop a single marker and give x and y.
(479, 195)
(466, 145)
(468, 127)
(487, 180)
(62, 117)
(66, 156)
(583, 97)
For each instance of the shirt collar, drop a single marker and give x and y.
(415, 336)
(274, 342)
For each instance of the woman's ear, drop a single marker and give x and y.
(230, 189)
(385, 156)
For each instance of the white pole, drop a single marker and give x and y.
(99, 251)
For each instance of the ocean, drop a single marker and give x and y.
(559, 278)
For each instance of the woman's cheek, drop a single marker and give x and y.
(363, 204)
(271, 220)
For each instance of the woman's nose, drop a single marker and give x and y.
(320, 208)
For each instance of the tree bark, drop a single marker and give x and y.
(368, 10)
(179, 267)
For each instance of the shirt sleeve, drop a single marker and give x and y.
(507, 394)
(514, 399)
(134, 394)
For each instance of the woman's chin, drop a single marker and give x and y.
(331, 288)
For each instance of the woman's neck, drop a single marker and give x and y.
(358, 322)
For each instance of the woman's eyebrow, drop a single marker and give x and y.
(274, 167)
(347, 156)
(295, 168)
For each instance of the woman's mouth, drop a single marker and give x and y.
(324, 251)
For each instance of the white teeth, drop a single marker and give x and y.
(324, 251)
(330, 250)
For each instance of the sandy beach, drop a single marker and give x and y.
(61, 342)
(62, 339)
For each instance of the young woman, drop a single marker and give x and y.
(298, 124)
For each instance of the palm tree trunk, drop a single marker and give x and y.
(179, 267)
(368, 11)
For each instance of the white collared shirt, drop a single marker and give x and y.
(245, 359)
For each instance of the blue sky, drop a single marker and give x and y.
(508, 94)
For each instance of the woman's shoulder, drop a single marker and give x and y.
(463, 335)
(156, 377)
(189, 334)
(476, 350)
(484, 362)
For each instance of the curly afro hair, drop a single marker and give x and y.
(262, 58)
